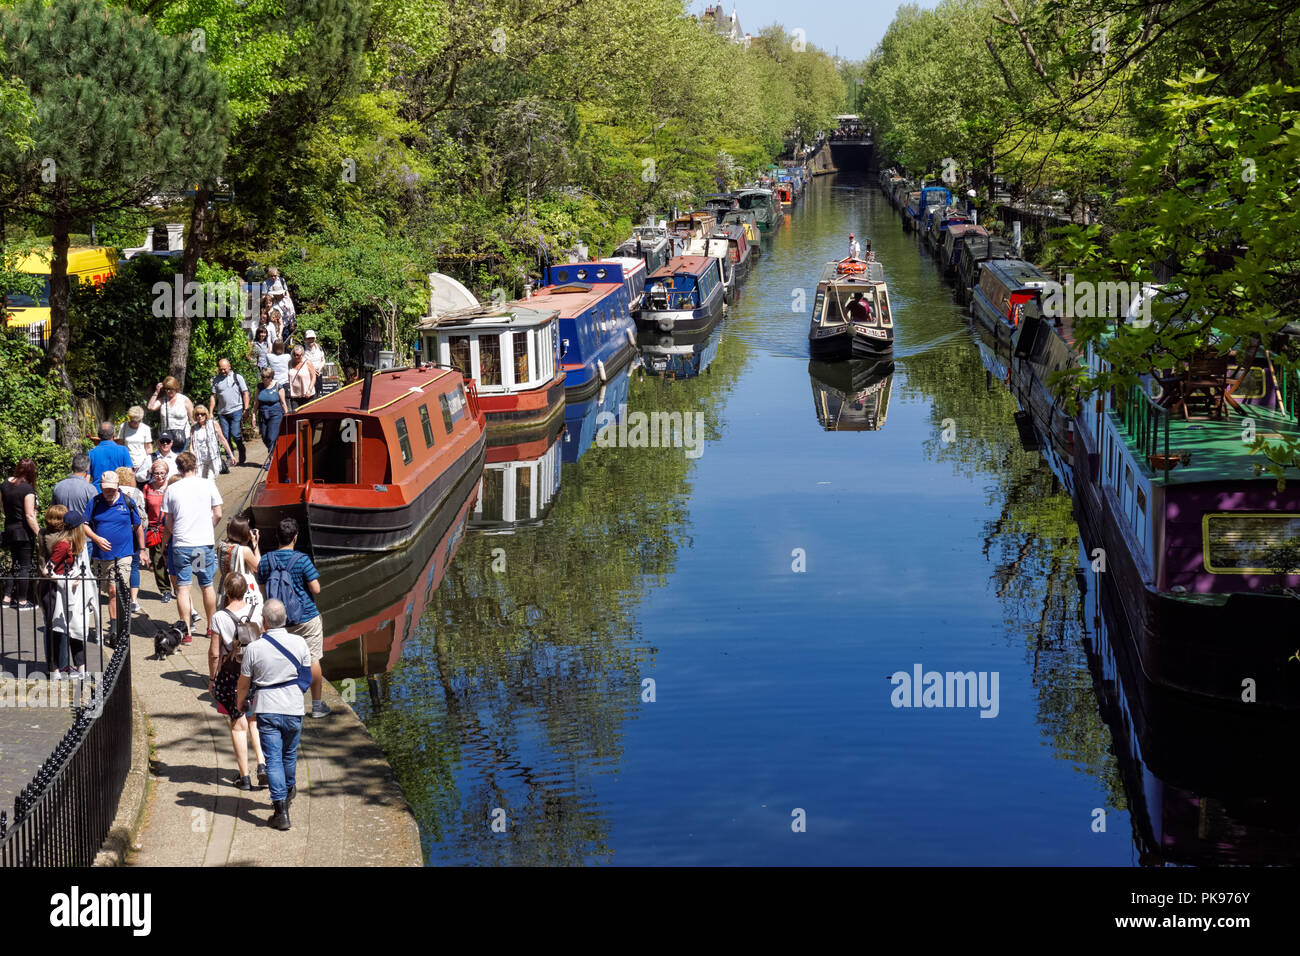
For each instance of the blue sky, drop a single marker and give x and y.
(855, 26)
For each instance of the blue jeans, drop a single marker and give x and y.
(233, 430)
(135, 570)
(181, 565)
(280, 733)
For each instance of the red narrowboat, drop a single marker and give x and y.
(372, 466)
(512, 354)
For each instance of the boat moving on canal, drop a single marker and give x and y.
(597, 332)
(851, 317)
(371, 466)
(851, 396)
(686, 295)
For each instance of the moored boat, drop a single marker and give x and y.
(763, 204)
(597, 331)
(650, 244)
(371, 466)
(746, 219)
(511, 353)
(851, 317)
(686, 295)
(1006, 286)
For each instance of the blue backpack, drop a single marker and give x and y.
(303, 680)
(280, 587)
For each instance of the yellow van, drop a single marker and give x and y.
(95, 264)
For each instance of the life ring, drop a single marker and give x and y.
(850, 267)
(600, 367)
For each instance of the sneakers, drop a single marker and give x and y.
(195, 617)
(58, 675)
(167, 597)
(320, 709)
(136, 608)
(261, 775)
(243, 783)
(187, 639)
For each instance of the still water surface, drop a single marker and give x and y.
(769, 587)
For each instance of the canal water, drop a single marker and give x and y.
(669, 655)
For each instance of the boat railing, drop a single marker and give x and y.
(1288, 384)
(1146, 422)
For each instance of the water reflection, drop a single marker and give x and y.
(851, 396)
(580, 417)
(370, 603)
(520, 482)
(1205, 784)
(679, 356)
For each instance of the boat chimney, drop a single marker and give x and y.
(365, 389)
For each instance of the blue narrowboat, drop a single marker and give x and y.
(686, 295)
(597, 333)
(917, 212)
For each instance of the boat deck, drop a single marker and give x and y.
(1217, 452)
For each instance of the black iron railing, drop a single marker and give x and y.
(62, 816)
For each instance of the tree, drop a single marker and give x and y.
(123, 114)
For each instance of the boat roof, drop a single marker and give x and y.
(1017, 272)
(519, 312)
(573, 298)
(387, 387)
(692, 264)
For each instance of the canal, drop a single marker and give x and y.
(668, 655)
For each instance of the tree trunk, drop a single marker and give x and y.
(60, 333)
(182, 321)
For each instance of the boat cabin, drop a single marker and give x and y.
(650, 244)
(512, 349)
(1005, 287)
(686, 283)
(842, 284)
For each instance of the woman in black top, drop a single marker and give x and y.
(21, 531)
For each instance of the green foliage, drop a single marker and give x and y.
(29, 398)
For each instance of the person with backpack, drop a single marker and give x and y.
(280, 667)
(291, 578)
(231, 631)
(228, 401)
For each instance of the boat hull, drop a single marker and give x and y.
(579, 388)
(523, 411)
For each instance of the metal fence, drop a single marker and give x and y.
(62, 816)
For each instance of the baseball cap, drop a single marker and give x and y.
(310, 334)
(73, 519)
(108, 479)
(167, 435)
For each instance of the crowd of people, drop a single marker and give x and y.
(146, 498)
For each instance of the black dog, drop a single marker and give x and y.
(167, 638)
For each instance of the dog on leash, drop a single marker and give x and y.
(167, 638)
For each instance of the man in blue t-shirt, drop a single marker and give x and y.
(108, 455)
(306, 585)
(114, 527)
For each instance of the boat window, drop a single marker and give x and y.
(886, 317)
(818, 304)
(453, 406)
(335, 451)
(458, 347)
(302, 453)
(446, 413)
(520, 345)
(426, 425)
(404, 440)
(489, 359)
(1251, 543)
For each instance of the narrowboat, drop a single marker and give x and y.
(720, 204)
(851, 317)
(762, 203)
(372, 466)
(717, 246)
(739, 251)
(940, 222)
(580, 417)
(597, 331)
(1005, 287)
(634, 275)
(784, 193)
(511, 353)
(679, 356)
(746, 219)
(520, 484)
(695, 224)
(975, 251)
(1203, 547)
(952, 244)
(851, 396)
(686, 295)
(927, 199)
(372, 604)
(1202, 782)
(650, 244)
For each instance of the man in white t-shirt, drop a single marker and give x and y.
(273, 671)
(191, 508)
(136, 436)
